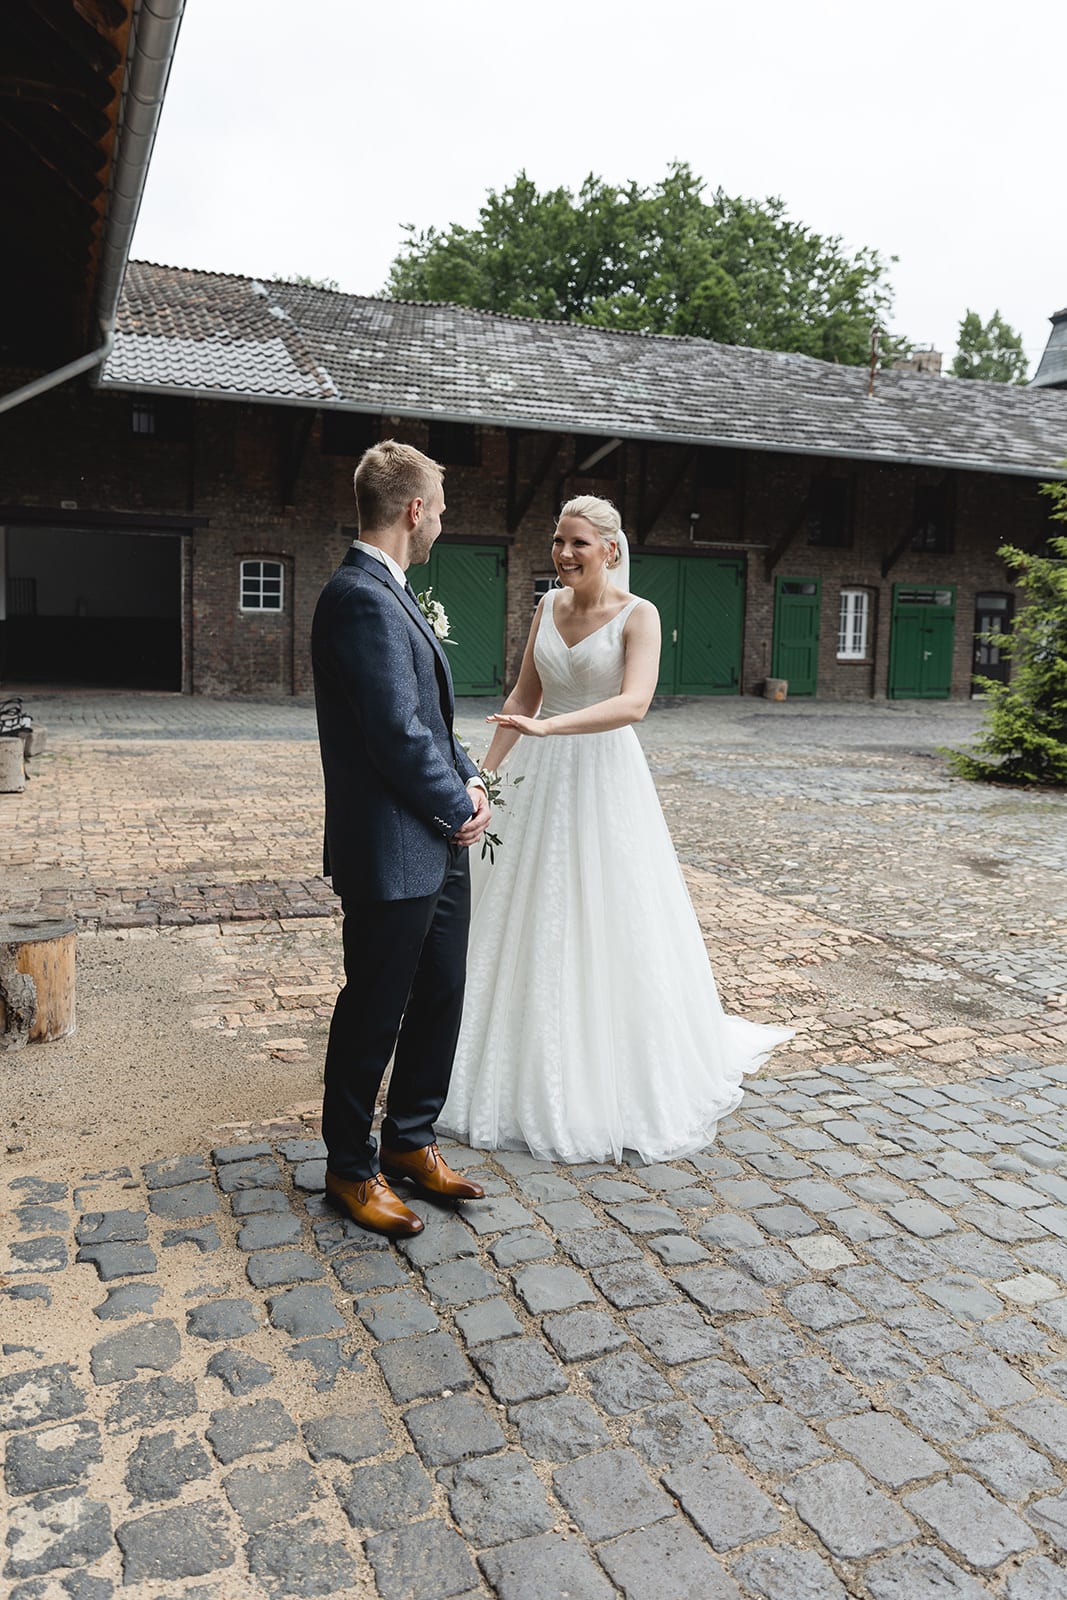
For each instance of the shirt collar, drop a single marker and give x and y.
(387, 561)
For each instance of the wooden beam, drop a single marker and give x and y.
(777, 551)
(520, 505)
(294, 444)
(647, 519)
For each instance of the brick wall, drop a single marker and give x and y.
(251, 484)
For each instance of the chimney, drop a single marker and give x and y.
(926, 361)
(1052, 368)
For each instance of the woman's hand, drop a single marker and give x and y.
(534, 727)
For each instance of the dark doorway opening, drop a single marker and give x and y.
(992, 615)
(92, 608)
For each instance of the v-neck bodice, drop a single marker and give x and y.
(581, 674)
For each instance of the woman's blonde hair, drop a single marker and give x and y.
(601, 514)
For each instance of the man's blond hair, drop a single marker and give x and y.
(389, 476)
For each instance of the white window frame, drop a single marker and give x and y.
(853, 625)
(252, 588)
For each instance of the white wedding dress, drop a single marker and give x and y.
(592, 1024)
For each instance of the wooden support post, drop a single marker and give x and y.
(36, 979)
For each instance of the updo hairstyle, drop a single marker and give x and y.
(602, 515)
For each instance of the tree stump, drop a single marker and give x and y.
(36, 979)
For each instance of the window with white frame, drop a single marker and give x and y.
(262, 585)
(852, 625)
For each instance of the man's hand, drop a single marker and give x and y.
(475, 826)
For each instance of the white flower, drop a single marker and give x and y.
(435, 614)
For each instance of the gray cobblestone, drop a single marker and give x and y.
(386, 1496)
(40, 1394)
(559, 1429)
(51, 1458)
(968, 1519)
(346, 1438)
(886, 1449)
(256, 1174)
(610, 1493)
(675, 1333)
(486, 1321)
(551, 1288)
(579, 1335)
(761, 1341)
(183, 1543)
(457, 1283)
(127, 1300)
(664, 1562)
(818, 1306)
(298, 1561)
(546, 1564)
(868, 1352)
(273, 1269)
(717, 1387)
(185, 1202)
(159, 1468)
(781, 1572)
(939, 1408)
(55, 1530)
(112, 1227)
(453, 1429)
(370, 1269)
(1050, 1517)
(514, 1249)
(598, 1247)
(264, 1496)
(1037, 1579)
(118, 1260)
(223, 1319)
(426, 1365)
(174, 1170)
(139, 1405)
(237, 1431)
(267, 1230)
(519, 1369)
(498, 1498)
(623, 1382)
(305, 1311)
(154, 1344)
(922, 1574)
(851, 1517)
(721, 1289)
(773, 1439)
(725, 1505)
(670, 1433)
(240, 1372)
(424, 1558)
(1007, 1464)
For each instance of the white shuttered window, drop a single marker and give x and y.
(852, 625)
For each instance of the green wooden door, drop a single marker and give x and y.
(921, 641)
(701, 608)
(709, 646)
(471, 583)
(655, 578)
(795, 654)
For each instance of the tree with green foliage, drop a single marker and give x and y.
(664, 259)
(991, 350)
(1025, 740)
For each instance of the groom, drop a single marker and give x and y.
(403, 805)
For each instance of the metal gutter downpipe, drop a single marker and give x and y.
(151, 53)
(52, 380)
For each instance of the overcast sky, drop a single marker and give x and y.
(300, 139)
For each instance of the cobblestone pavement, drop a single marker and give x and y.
(827, 1357)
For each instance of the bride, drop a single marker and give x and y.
(592, 1024)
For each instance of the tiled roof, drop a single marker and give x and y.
(220, 335)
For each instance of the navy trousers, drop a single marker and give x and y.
(405, 967)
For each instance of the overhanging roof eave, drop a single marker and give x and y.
(645, 436)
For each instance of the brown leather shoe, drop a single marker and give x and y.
(428, 1169)
(371, 1203)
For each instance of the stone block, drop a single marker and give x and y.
(298, 1560)
(223, 1319)
(453, 1429)
(51, 1458)
(347, 1438)
(154, 1344)
(39, 1394)
(717, 1387)
(388, 1495)
(924, 1573)
(273, 1269)
(185, 1542)
(610, 1493)
(580, 1335)
(551, 1288)
(545, 1564)
(851, 1517)
(240, 1372)
(305, 1312)
(139, 1405)
(623, 1382)
(498, 1498)
(885, 1448)
(773, 1439)
(559, 1429)
(486, 1321)
(781, 1572)
(519, 1369)
(56, 1530)
(457, 1283)
(970, 1521)
(675, 1333)
(724, 1504)
(237, 1431)
(426, 1365)
(264, 1496)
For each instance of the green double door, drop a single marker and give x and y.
(795, 652)
(701, 603)
(470, 581)
(921, 641)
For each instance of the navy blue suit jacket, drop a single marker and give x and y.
(395, 773)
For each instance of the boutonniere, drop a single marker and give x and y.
(435, 615)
